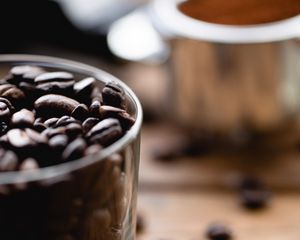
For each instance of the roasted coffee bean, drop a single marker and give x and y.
(80, 112)
(89, 123)
(51, 122)
(95, 148)
(36, 137)
(105, 132)
(65, 120)
(112, 112)
(253, 193)
(8, 161)
(58, 142)
(15, 95)
(74, 150)
(53, 105)
(26, 72)
(255, 199)
(84, 87)
(218, 231)
(19, 139)
(29, 164)
(73, 130)
(55, 82)
(113, 95)
(6, 109)
(51, 132)
(94, 109)
(22, 118)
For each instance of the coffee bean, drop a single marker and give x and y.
(29, 164)
(74, 150)
(51, 122)
(253, 193)
(65, 120)
(85, 86)
(112, 112)
(22, 118)
(59, 142)
(53, 105)
(36, 137)
(73, 130)
(80, 112)
(55, 82)
(51, 132)
(113, 95)
(89, 123)
(6, 109)
(94, 109)
(105, 132)
(25, 73)
(15, 95)
(218, 231)
(8, 161)
(19, 139)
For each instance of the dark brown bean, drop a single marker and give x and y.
(85, 86)
(218, 231)
(74, 150)
(23, 118)
(15, 95)
(25, 73)
(65, 120)
(105, 132)
(19, 139)
(51, 122)
(36, 137)
(53, 105)
(113, 95)
(29, 164)
(5, 109)
(58, 142)
(73, 130)
(51, 132)
(112, 112)
(94, 109)
(80, 112)
(55, 82)
(89, 123)
(8, 161)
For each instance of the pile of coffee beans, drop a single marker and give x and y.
(48, 118)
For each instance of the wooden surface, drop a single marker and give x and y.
(180, 199)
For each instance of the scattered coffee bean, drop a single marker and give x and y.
(113, 95)
(218, 231)
(23, 118)
(253, 193)
(105, 132)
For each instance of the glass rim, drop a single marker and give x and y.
(61, 170)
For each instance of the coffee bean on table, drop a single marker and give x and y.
(253, 193)
(218, 231)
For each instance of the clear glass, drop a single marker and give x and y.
(93, 198)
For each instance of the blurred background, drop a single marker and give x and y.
(187, 181)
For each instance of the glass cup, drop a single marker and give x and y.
(92, 198)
